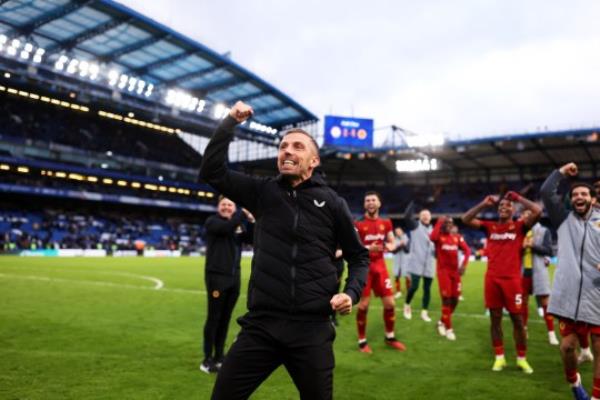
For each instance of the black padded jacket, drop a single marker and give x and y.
(296, 234)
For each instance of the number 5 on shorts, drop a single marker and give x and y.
(518, 299)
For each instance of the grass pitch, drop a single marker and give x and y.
(84, 328)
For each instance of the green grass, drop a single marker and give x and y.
(95, 329)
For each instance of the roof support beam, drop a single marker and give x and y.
(505, 154)
(538, 146)
(49, 16)
(133, 47)
(144, 69)
(88, 34)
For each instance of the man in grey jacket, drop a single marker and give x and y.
(537, 247)
(420, 260)
(575, 297)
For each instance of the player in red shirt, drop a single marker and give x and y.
(503, 277)
(449, 272)
(377, 236)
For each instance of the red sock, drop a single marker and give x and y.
(571, 375)
(498, 347)
(549, 319)
(389, 317)
(447, 316)
(521, 350)
(361, 323)
(596, 389)
(407, 283)
(397, 283)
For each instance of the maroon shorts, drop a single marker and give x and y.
(527, 284)
(449, 283)
(504, 292)
(579, 328)
(378, 280)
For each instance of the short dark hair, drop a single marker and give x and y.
(575, 185)
(302, 131)
(373, 193)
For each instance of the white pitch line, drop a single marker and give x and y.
(188, 291)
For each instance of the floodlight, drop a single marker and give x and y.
(37, 58)
(113, 77)
(3, 39)
(149, 90)
(15, 43)
(84, 67)
(11, 51)
(24, 55)
(28, 47)
(72, 67)
(94, 70)
(40, 51)
(201, 105)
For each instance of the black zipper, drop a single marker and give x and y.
(294, 249)
(581, 269)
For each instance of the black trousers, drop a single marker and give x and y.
(304, 348)
(220, 306)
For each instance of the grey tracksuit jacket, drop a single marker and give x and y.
(576, 290)
(421, 259)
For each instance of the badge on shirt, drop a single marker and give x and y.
(216, 294)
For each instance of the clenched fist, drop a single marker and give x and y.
(569, 169)
(241, 111)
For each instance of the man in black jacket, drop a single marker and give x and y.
(293, 286)
(222, 277)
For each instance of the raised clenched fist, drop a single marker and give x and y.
(569, 169)
(241, 111)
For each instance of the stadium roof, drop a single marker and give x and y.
(526, 156)
(117, 38)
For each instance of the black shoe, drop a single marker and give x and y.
(208, 366)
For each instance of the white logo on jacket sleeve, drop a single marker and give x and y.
(319, 204)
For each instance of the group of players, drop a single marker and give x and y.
(518, 252)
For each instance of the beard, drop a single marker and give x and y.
(586, 209)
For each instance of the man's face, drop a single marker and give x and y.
(581, 200)
(372, 204)
(505, 209)
(297, 156)
(398, 232)
(425, 217)
(226, 208)
(448, 224)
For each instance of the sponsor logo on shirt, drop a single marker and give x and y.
(373, 237)
(503, 236)
(449, 247)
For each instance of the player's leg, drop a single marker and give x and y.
(250, 360)
(397, 270)
(213, 315)
(548, 319)
(426, 298)
(512, 290)
(361, 315)
(585, 354)
(230, 297)
(568, 346)
(494, 303)
(444, 285)
(451, 303)
(414, 286)
(311, 363)
(389, 318)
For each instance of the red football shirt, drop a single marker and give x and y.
(447, 246)
(504, 247)
(373, 231)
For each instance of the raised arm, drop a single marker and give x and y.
(470, 217)
(550, 197)
(434, 236)
(462, 243)
(240, 188)
(409, 221)
(536, 210)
